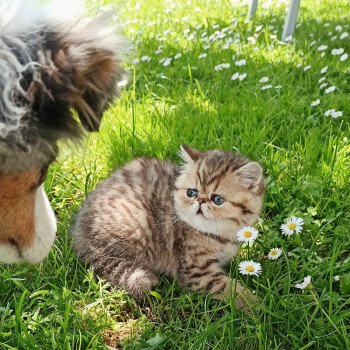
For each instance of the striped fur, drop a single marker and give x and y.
(140, 222)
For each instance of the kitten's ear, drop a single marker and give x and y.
(251, 177)
(189, 154)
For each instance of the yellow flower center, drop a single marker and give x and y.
(273, 252)
(247, 234)
(292, 226)
(249, 268)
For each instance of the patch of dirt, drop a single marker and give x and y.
(120, 332)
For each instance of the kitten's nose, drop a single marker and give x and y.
(201, 200)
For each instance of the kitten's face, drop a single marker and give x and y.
(218, 192)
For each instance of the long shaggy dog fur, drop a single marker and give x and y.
(48, 68)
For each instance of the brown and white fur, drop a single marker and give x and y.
(49, 66)
(143, 221)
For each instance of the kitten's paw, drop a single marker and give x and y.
(140, 282)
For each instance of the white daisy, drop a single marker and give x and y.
(274, 253)
(221, 66)
(242, 76)
(247, 234)
(338, 28)
(167, 61)
(336, 114)
(241, 62)
(235, 76)
(307, 68)
(321, 80)
(322, 48)
(177, 56)
(250, 268)
(323, 85)
(315, 103)
(324, 70)
(264, 80)
(330, 89)
(203, 55)
(251, 39)
(145, 58)
(337, 52)
(329, 112)
(304, 284)
(343, 57)
(191, 37)
(265, 87)
(292, 225)
(344, 35)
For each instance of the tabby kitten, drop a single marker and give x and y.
(153, 216)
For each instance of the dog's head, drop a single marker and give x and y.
(48, 69)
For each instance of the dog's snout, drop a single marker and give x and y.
(30, 236)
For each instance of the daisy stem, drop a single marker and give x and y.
(297, 239)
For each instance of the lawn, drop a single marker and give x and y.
(284, 109)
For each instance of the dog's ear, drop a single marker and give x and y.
(97, 72)
(79, 67)
(98, 81)
(90, 52)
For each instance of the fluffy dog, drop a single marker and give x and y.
(49, 67)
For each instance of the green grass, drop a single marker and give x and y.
(59, 304)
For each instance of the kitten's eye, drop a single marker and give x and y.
(191, 192)
(218, 200)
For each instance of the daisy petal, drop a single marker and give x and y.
(247, 234)
(250, 268)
